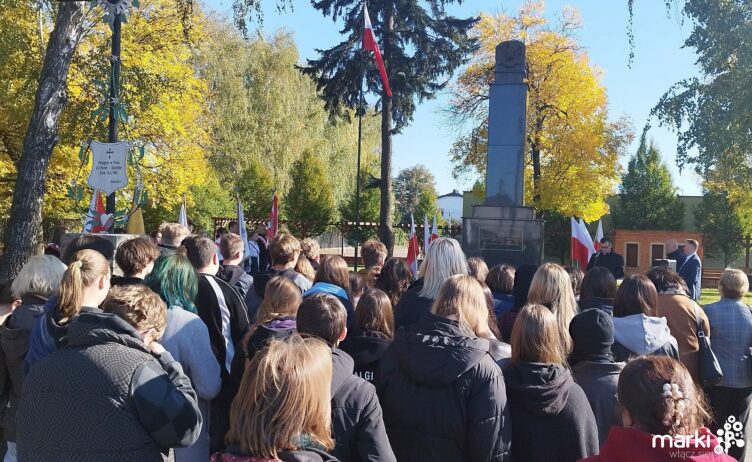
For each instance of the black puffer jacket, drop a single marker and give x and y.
(15, 334)
(443, 395)
(411, 306)
(552, 419)
(105, 397)
(366, 348)
(357, 420)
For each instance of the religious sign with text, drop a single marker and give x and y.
(108, 166)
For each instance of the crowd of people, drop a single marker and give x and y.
(214, 350)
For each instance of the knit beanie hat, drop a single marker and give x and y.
(592, 334)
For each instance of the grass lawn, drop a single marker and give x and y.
(711, 295)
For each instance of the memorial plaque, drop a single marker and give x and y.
(108, 166)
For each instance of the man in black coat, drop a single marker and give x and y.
(357, 422)
(224, 312)
(608, 259)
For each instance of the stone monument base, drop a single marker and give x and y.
(510, 235)
(116, 240)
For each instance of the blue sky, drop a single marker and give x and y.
(659, 62)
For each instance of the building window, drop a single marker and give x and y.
(632, 255)
(656, 252)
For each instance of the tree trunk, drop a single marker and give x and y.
(385, 216)
(25, 222)
(535, 154)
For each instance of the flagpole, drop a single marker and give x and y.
(360, 142)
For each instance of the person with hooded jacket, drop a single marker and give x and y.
(593, 366)
(551, 416)
(113, 392)
(443, 394)
(357, 421)
(637, 331)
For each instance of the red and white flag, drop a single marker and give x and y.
(434, 230)
(426, 234)
(273, 227)
(582, 244)
(412, 249)
(598, 237)
(370, 44)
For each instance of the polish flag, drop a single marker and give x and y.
(582, 245)
(370, 44)
(598, 237)
(586, 232)
(434, 230)
(94, 215)
(426, 234)
(273, 228)
(412, 249)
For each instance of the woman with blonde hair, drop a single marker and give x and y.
(83, 288)
(444, 258)
(305, 267)
(443, 358)
(552, 288)
(283, 410)
(36, 283)
(276, 320)
(543, 397)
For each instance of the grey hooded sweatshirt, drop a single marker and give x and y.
(639, 335)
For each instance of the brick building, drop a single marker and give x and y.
(640, 247)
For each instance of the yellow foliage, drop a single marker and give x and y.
(567, 118)
(164, 99)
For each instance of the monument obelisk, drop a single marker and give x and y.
(503, 230)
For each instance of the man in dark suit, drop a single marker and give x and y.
(608, 259)
(691, 269)
(673, 252)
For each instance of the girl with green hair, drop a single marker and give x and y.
(187, 339)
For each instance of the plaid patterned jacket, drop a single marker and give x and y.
(731, 339)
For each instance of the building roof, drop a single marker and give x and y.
(454, 193)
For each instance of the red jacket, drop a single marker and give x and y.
(632, 445)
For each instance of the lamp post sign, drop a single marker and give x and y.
(108, 166)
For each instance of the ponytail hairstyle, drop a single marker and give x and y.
(85, 268)
(661, 397)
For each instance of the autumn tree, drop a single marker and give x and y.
(309, 205)
(719, 222)
(647, 198)
(421, 45)
(572, 147)
(24, 224)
